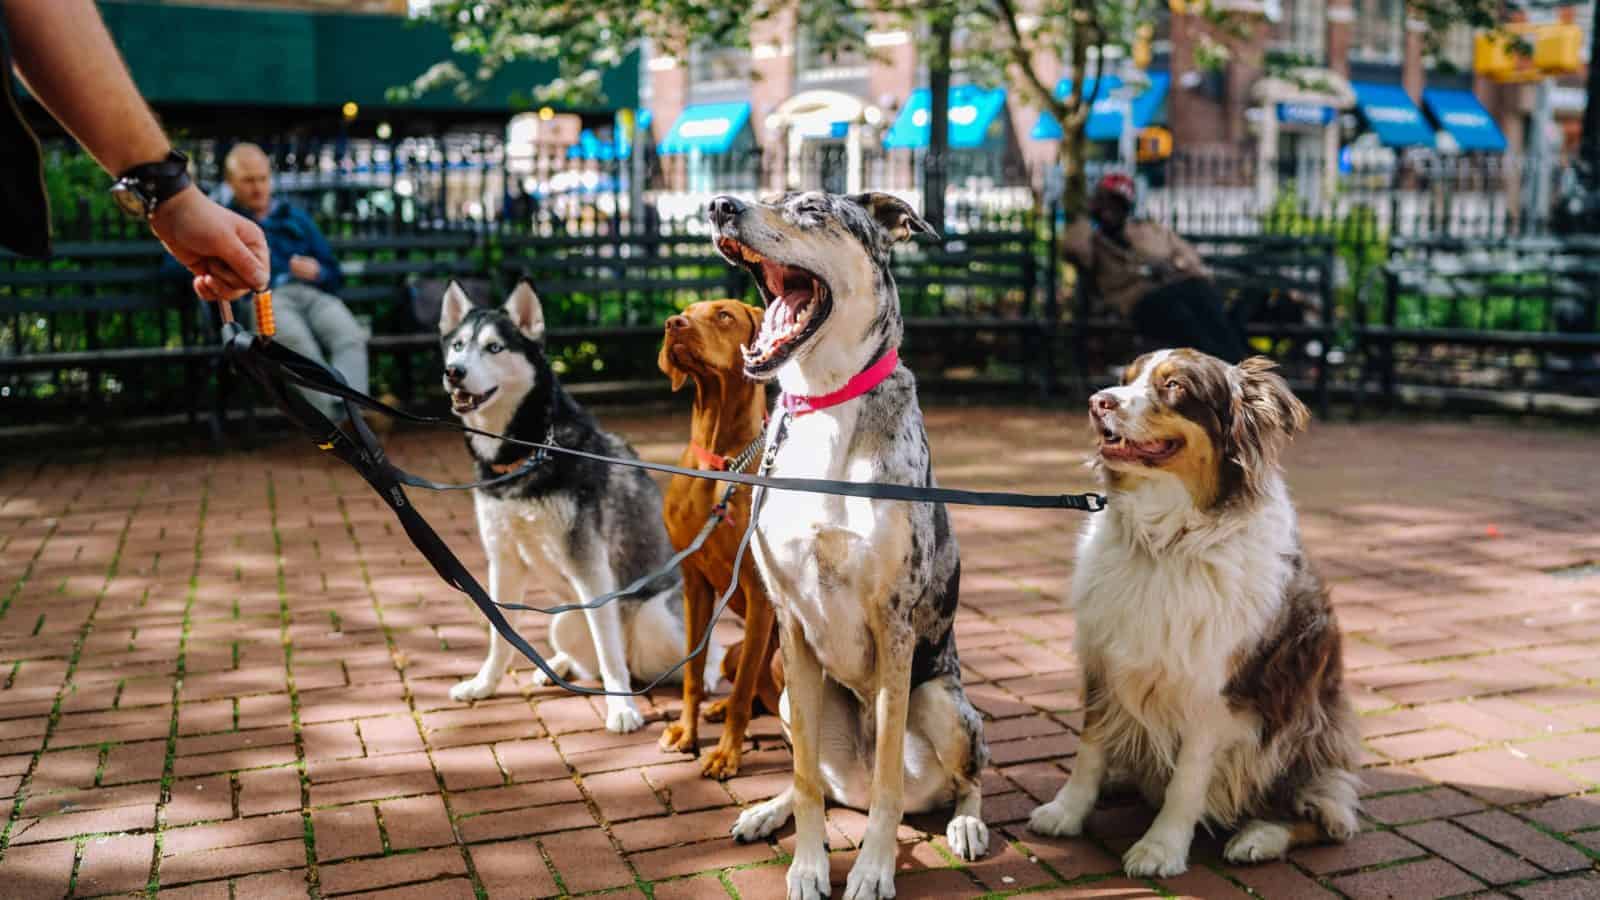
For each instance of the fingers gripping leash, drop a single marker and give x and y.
(277, 369)
(266, 325)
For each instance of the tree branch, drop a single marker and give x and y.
(1023, 61)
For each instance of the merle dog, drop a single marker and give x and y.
(866, 591)
(593, 526)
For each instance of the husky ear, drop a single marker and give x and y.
(895, 216)
(454, 308)
(526, 312)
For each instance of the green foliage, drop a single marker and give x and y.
(1360, 244)
(76, 186)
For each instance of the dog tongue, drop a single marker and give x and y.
(797, 288)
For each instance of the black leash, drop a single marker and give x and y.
(262, 360)
(274, 367)
(273, 358)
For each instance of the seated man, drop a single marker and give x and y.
(1143, 271)
(311, 320)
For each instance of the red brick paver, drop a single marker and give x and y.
(228, 677)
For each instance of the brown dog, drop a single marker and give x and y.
(702, 343)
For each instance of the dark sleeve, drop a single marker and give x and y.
(172, 270)
(332, 276)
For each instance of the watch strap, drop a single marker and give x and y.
(158, 181)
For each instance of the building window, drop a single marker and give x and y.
(1456, 48)
(1302, 32)
(1380, 32)
(814, 63)
(709, 67)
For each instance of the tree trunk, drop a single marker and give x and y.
(1074, 177)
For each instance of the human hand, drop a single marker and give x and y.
(226, 252)
(305, 268)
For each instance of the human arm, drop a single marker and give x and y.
(67, 60)
(329, 276)
(1077, 243)
(1185, 258)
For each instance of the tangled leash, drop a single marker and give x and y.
(276, 369)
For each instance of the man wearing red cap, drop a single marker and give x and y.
(1143, 271)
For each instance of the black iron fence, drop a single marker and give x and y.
(1363, 293)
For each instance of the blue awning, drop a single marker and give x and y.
(1390, 112)
(1105, 116)
(973, 110)
(708, 128)
(1460, 113)
(591, 147)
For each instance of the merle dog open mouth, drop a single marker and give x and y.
(797, 301)
(463, 401)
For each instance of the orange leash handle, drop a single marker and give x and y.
(266, 325)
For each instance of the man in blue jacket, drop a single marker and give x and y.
(311, 320)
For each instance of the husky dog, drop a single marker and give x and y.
(865, 591)
(595, 527)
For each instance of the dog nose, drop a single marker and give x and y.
(723, 209)
(677, 323)
(454, 374)
(1103, 402)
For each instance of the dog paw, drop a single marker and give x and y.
(475, 688)
(678, 739)
(1257, 841)
(716, 712)
(762, 819)
(968, 837)
(871, 878)
(808, 877)
(560, 663)
(1054, 819)
(1154, 858)
(622, 719)
(721, 763)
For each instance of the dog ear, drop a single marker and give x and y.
(526, 312)
(895, 216)
(756, 315)
(454, 308)
(1266, 415)
(670, 369)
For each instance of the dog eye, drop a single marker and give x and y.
(724, 316)
(1173, 385)
(457, 345)
(495, 347)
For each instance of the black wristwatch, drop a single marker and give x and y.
(146, 186)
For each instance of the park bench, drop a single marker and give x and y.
(96, 329)
(1464, 319)
(1280, 286)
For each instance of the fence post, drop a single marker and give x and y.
(1325, 279)
(1052, 305)
(1391, 287)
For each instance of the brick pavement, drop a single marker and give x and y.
(227, 676)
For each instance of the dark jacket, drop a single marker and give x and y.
(290, 232)
(25, 223)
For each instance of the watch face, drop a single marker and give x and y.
(129, 199)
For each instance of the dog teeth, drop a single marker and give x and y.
(750, 256)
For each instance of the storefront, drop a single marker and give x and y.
(716, 144)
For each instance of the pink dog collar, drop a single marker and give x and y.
(864, 381)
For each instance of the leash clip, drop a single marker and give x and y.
(1094, 502)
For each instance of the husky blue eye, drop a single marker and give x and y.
(456, 346)
(494, 348)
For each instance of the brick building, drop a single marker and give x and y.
(1395, 98)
